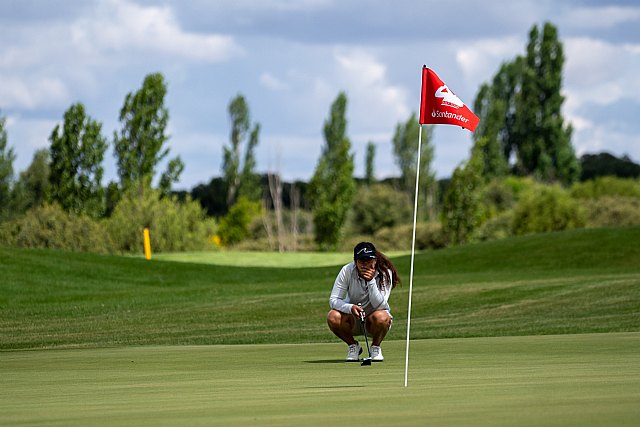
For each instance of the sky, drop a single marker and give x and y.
(291, 58)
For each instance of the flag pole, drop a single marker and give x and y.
(413, 247)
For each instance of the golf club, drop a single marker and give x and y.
(367, 360)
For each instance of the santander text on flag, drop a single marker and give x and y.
(439, 105)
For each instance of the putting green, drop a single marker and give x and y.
(562, 380)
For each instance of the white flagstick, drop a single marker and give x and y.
(413, 247)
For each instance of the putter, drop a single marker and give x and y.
(367, 360)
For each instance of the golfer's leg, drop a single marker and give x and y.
(378, 324)
(341, 325)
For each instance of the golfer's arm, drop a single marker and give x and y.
(339, 294)
(377, 299)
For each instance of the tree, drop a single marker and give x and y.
(369, 177)
(76, 152)
(605, 164)
(7, 157)
(462, 205)
(544, 142)
(172, 174)
(140, 146)
(332, 187)
(239, 175)
(521, 114)
(33, 187)
(405, 149)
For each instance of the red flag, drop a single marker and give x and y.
(438, 105)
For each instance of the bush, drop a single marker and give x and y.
(234, 226)
(173, 226)
(612, 211)
(49, 226)
(498, 227)
(429, 235)
(546, 208)
(377, 207)
(606, 186)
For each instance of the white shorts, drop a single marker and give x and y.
(357, 325)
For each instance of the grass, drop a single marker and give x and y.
(263, 259)
(571, 380)
(585, 281)
(543, 330)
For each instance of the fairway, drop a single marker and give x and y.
(569, 380)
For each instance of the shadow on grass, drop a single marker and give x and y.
(326, 361)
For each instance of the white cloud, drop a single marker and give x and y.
(599, 73)
(602, 17)
(376, 102)
(120, 25)
(32, 91)
(483, 57)
(272, 83)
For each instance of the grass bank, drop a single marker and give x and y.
(583, 281)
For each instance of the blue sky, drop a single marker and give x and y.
(290, 59)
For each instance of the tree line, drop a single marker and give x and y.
(522, 141)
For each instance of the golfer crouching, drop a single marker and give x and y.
(363, 287)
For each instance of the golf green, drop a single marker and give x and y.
(553, 380)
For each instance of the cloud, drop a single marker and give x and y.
(272, 83)
(602, 17)
(483, 57)
(376, 102)
(120, 25)
(32, 91)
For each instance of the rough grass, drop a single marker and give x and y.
(583, 281)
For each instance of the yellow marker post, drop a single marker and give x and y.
(147, 244)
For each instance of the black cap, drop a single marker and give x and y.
(364, 250)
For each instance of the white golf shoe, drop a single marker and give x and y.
(376, 354)
(354, 352)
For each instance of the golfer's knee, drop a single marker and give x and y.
(334, 319)
(381, 319)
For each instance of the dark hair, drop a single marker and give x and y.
(384, 265)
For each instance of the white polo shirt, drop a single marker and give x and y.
(349, 289)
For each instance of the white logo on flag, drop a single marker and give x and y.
(449, 99)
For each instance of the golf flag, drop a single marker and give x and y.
(439, 105)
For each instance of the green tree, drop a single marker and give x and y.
(369, 176)
(7, 157)
(140, 146)
(405, 149)
(76, 152)
(462, 211)
(521, 114)
(239, 172)
(332, 186)
(33, 187)
(495, 104)
(172, 174)
(544, 141)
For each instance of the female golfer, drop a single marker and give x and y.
(363, 285)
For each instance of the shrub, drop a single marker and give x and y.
(606, 186)
(377, 207)
(234, 226)
(612, 211)
(174, 226)
(429, 235)
(49, 226)
(546, 208)
(498, 227)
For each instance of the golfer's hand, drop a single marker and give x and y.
(356, 310)
(367, 273)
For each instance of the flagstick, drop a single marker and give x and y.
(413, 247)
